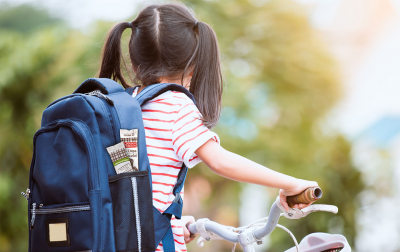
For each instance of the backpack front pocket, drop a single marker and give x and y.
(61, 227)
(64, 171)
(132, 212)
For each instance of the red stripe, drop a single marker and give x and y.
(184, 154)
(163, 148)
(190, 140)
(182, 243)
(183, 116)
(180, 97)
(161, 211)
(165, 193)
(184, 125)
(193, 158)
(159, 183)
(159, 111)
(159, 201)
(176, 226)
(171, 166)
(156, 191)
(154, 155)
(166, 103)
(158, 120)
(157, 100)
(176, 139)
(163, 202)
(180, 235)
(157, 138)
(156, 129)
(185, 106)
(165, 174)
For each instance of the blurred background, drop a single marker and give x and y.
(312, 90)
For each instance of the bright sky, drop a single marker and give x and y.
(81, 13)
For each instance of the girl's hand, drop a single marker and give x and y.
(299, 186)
(186, 220)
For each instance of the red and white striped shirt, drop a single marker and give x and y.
(174, 131)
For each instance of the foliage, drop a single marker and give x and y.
(25, 18)
(281, 82)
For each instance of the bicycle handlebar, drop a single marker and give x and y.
(309, 195)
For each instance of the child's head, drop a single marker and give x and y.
(168, 42)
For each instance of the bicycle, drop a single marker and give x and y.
(254, 233)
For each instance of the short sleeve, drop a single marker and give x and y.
(189, 132)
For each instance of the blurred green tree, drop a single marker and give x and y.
(281, 83)
(25, 18)
(37, 63)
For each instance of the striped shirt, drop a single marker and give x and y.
(174, 131)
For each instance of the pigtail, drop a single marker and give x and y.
(111, 56)
(207, 83)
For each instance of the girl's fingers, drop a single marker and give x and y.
(283, 200)
(186, 233)
(301, 206)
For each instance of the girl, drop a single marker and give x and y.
(169, 45)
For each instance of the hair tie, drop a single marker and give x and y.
(196, 24)
(130, 25)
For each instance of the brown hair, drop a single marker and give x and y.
(168, 41)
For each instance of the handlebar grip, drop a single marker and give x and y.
(309, 195)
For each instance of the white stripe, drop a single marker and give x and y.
(136, 202)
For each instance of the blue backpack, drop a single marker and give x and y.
(76, 201)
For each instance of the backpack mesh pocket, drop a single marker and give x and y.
(132, 212)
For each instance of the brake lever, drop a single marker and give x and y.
(295, 213)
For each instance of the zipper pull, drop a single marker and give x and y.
(99, 94)
(26, 194)
(33, 216)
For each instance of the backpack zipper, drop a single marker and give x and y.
(137, 216)
(99, 94)
(67, 209)
(26, 194)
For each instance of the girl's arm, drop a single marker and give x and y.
(235, 167)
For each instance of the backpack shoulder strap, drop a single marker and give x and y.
(105, 85)
(130, 90)
(147, 94)
(154, 90)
